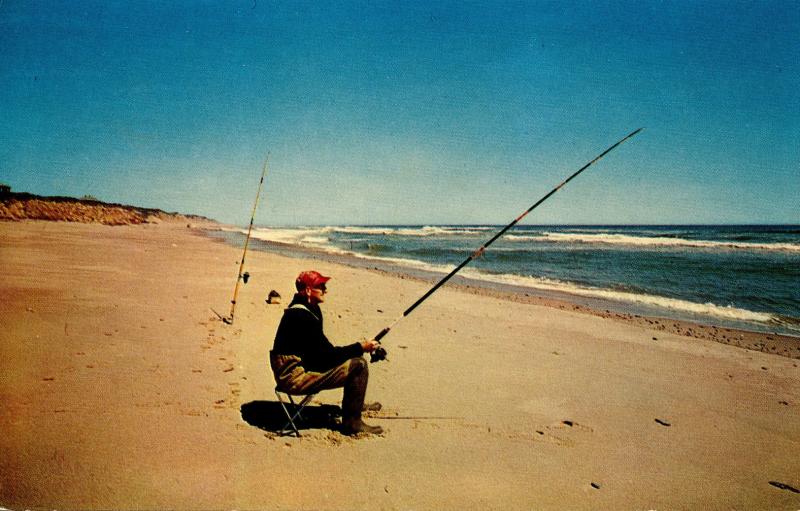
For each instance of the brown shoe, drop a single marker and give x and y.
(357, 426)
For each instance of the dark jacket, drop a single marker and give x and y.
(300, 334)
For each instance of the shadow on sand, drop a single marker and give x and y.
(269, 416)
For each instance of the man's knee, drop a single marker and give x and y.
(358, 366)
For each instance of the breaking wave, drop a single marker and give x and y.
(726, 312)
(649, 241)
(425, 231)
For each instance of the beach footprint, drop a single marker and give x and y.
(234, 391)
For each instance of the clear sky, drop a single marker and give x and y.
(406, 112)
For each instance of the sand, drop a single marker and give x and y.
(121, 388)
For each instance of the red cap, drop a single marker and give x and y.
(312, 279)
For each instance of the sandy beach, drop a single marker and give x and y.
(120, 388)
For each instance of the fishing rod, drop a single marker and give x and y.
(244, 277)
(380, 353)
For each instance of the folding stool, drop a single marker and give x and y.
(297, 408)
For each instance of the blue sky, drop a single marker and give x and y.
(404, 112)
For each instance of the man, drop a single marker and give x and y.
(304, 361)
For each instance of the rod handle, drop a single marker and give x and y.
(382, 334)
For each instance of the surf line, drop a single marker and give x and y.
(380, 353)
(243, 277)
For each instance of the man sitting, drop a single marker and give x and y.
(304, 361)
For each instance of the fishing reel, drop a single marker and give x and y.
(378, 355)
(380, 352)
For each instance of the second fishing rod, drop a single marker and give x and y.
(380, 353)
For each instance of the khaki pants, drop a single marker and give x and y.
(352, 375)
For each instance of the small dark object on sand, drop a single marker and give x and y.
(568, 423)
(784, 486)
(245, 277)
(273, 297)
(595, 486)
(372, 407)
(663, 423)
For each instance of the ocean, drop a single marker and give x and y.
(736, 276)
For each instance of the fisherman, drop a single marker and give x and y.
(304, 361)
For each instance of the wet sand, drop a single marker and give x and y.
(121, 388)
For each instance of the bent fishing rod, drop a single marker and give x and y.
(242, 277)
(380, 353)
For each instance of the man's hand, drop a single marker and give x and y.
(370, 345)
